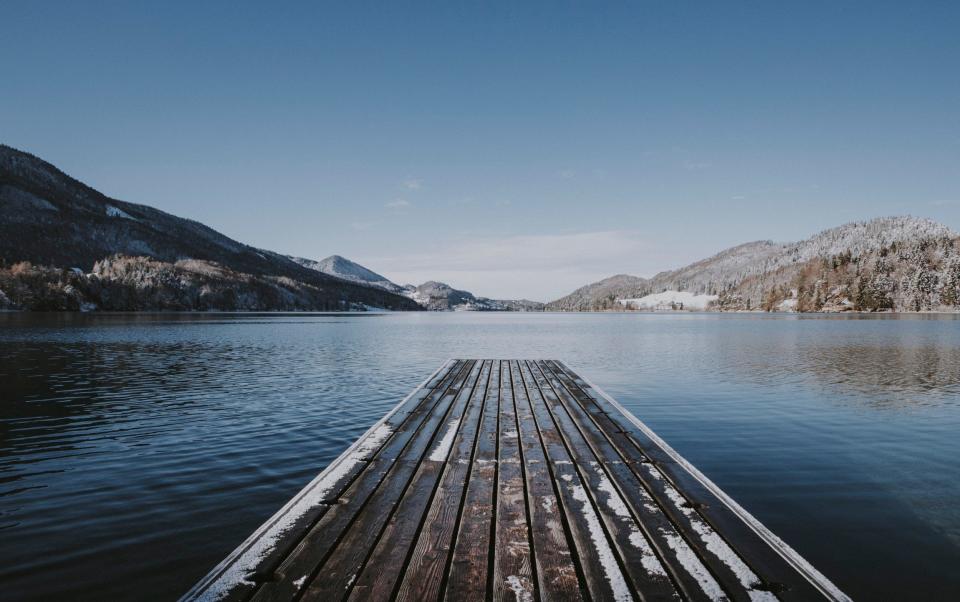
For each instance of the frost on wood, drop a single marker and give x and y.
(517, 587)
(442, 449)
(649, 560)
(611, 569)
(313, 495)
(719, 548)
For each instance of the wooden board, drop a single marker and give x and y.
(512, 480)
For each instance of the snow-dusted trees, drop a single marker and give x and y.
(896, 263)
(918, 275)
(950, 289)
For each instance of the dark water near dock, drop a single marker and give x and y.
(136, 451)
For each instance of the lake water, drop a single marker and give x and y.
(136, 451)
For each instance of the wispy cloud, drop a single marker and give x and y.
(566, 174)
(360, 226)
(398, 204)
(696, 165)
(412, 184)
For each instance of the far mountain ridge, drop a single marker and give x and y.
(433, 295)
(890, 256)
(343, 268)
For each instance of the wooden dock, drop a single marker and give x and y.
(512, 480)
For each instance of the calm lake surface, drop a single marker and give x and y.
(136, 451)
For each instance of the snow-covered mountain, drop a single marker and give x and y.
(715, 273)
(343, 268)
(437, 296)
(742, 277)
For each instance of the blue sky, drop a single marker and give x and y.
(515, 151)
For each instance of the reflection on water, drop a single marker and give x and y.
(898, 376)
(889, 371)
(137, 450)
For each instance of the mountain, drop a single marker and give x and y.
(715, 273)
(895, 263)
(520, 304)
(601, 295)
(343, 268)
(52, 220)
(437, 296)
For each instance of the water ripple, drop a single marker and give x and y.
(154, 443)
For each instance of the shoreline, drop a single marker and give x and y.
(379, 311)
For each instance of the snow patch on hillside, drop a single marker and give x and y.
(788, 305)
(670, 300)
(415, 295)
(116, 212)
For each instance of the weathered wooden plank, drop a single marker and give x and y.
(299, 569)
(424, 522)
(596, 556)
(424, 576)
(557, 577)
(736, 578)
(512, 566)
(650, 550)
(471, 569)
(258, 557)
(389, 523)
(691, 504)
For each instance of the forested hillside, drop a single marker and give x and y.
(917, 276)
(891, 263)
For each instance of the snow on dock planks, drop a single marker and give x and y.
(512, 480)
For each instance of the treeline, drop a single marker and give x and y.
(919, 276)
(123, 283)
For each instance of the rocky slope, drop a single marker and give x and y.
(50, 219)
(892, 263)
